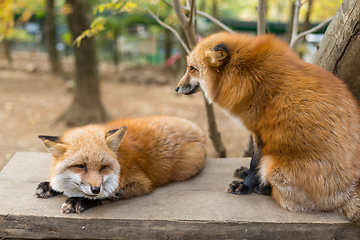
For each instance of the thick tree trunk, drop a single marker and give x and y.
(339, 50)
(50, 39)
(5, 50)
(86, 106)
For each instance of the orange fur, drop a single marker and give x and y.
(305, 116)
(153, 152)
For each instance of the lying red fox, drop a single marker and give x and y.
(304, 119)
(111, 161)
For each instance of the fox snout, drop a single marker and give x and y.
(90, 190)
(187, 85)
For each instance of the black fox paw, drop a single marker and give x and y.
(78, 204)
(263, 190)
(44, 190)
(236, 187)
(241, 172)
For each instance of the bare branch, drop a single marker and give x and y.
(303, 34)
(171, 29)
(296, 20)
(211, 18)
(186, 24)
(192, 9)
(314, 29)
(180, 14)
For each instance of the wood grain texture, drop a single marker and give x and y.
(196, 209)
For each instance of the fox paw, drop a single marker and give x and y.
(241, 172)
(236, 187)
(263, 190)
(78, 204)
(44, 190)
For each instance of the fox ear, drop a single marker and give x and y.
(53, 144)
(218, 54)
(115, 137)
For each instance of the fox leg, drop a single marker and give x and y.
(78, 204)
(250, 175)
(138, 185)
(44, 190)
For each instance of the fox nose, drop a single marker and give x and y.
(177, 89)
(95, 190)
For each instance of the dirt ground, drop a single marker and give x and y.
(31, 99)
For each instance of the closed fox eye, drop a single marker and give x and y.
(103, 167)
(82, 166)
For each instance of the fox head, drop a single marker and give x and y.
(205, 61)
(231, 66)
(85, 162)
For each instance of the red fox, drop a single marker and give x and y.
(122, 159)
(305, 119)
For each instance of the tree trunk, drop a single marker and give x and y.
(339, 50)
(50, 39)
(116, 55)
(5, 50)
(86, 106)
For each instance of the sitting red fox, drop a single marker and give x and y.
(111, 161)
(304, 119)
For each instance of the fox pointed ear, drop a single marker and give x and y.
(53, 144)
(218, 54)
(115, 137)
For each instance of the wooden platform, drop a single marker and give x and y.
(196, 209)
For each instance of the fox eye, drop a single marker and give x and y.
(103, 167)
(82, 166)
(192, 68)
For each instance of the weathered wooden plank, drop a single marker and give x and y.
(196, 209)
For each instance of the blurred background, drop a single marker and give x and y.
(134, 63)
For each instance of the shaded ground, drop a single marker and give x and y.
(31, 99)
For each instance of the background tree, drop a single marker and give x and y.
(50, 38)
(8, 31)
(339, 50)
(86, 106)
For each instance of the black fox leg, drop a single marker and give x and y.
(44, 190)
(250, 175)
(78, 204)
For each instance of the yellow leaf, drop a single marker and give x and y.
(101, 8)
(129, 6)
(98, 21)
(118, 6)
